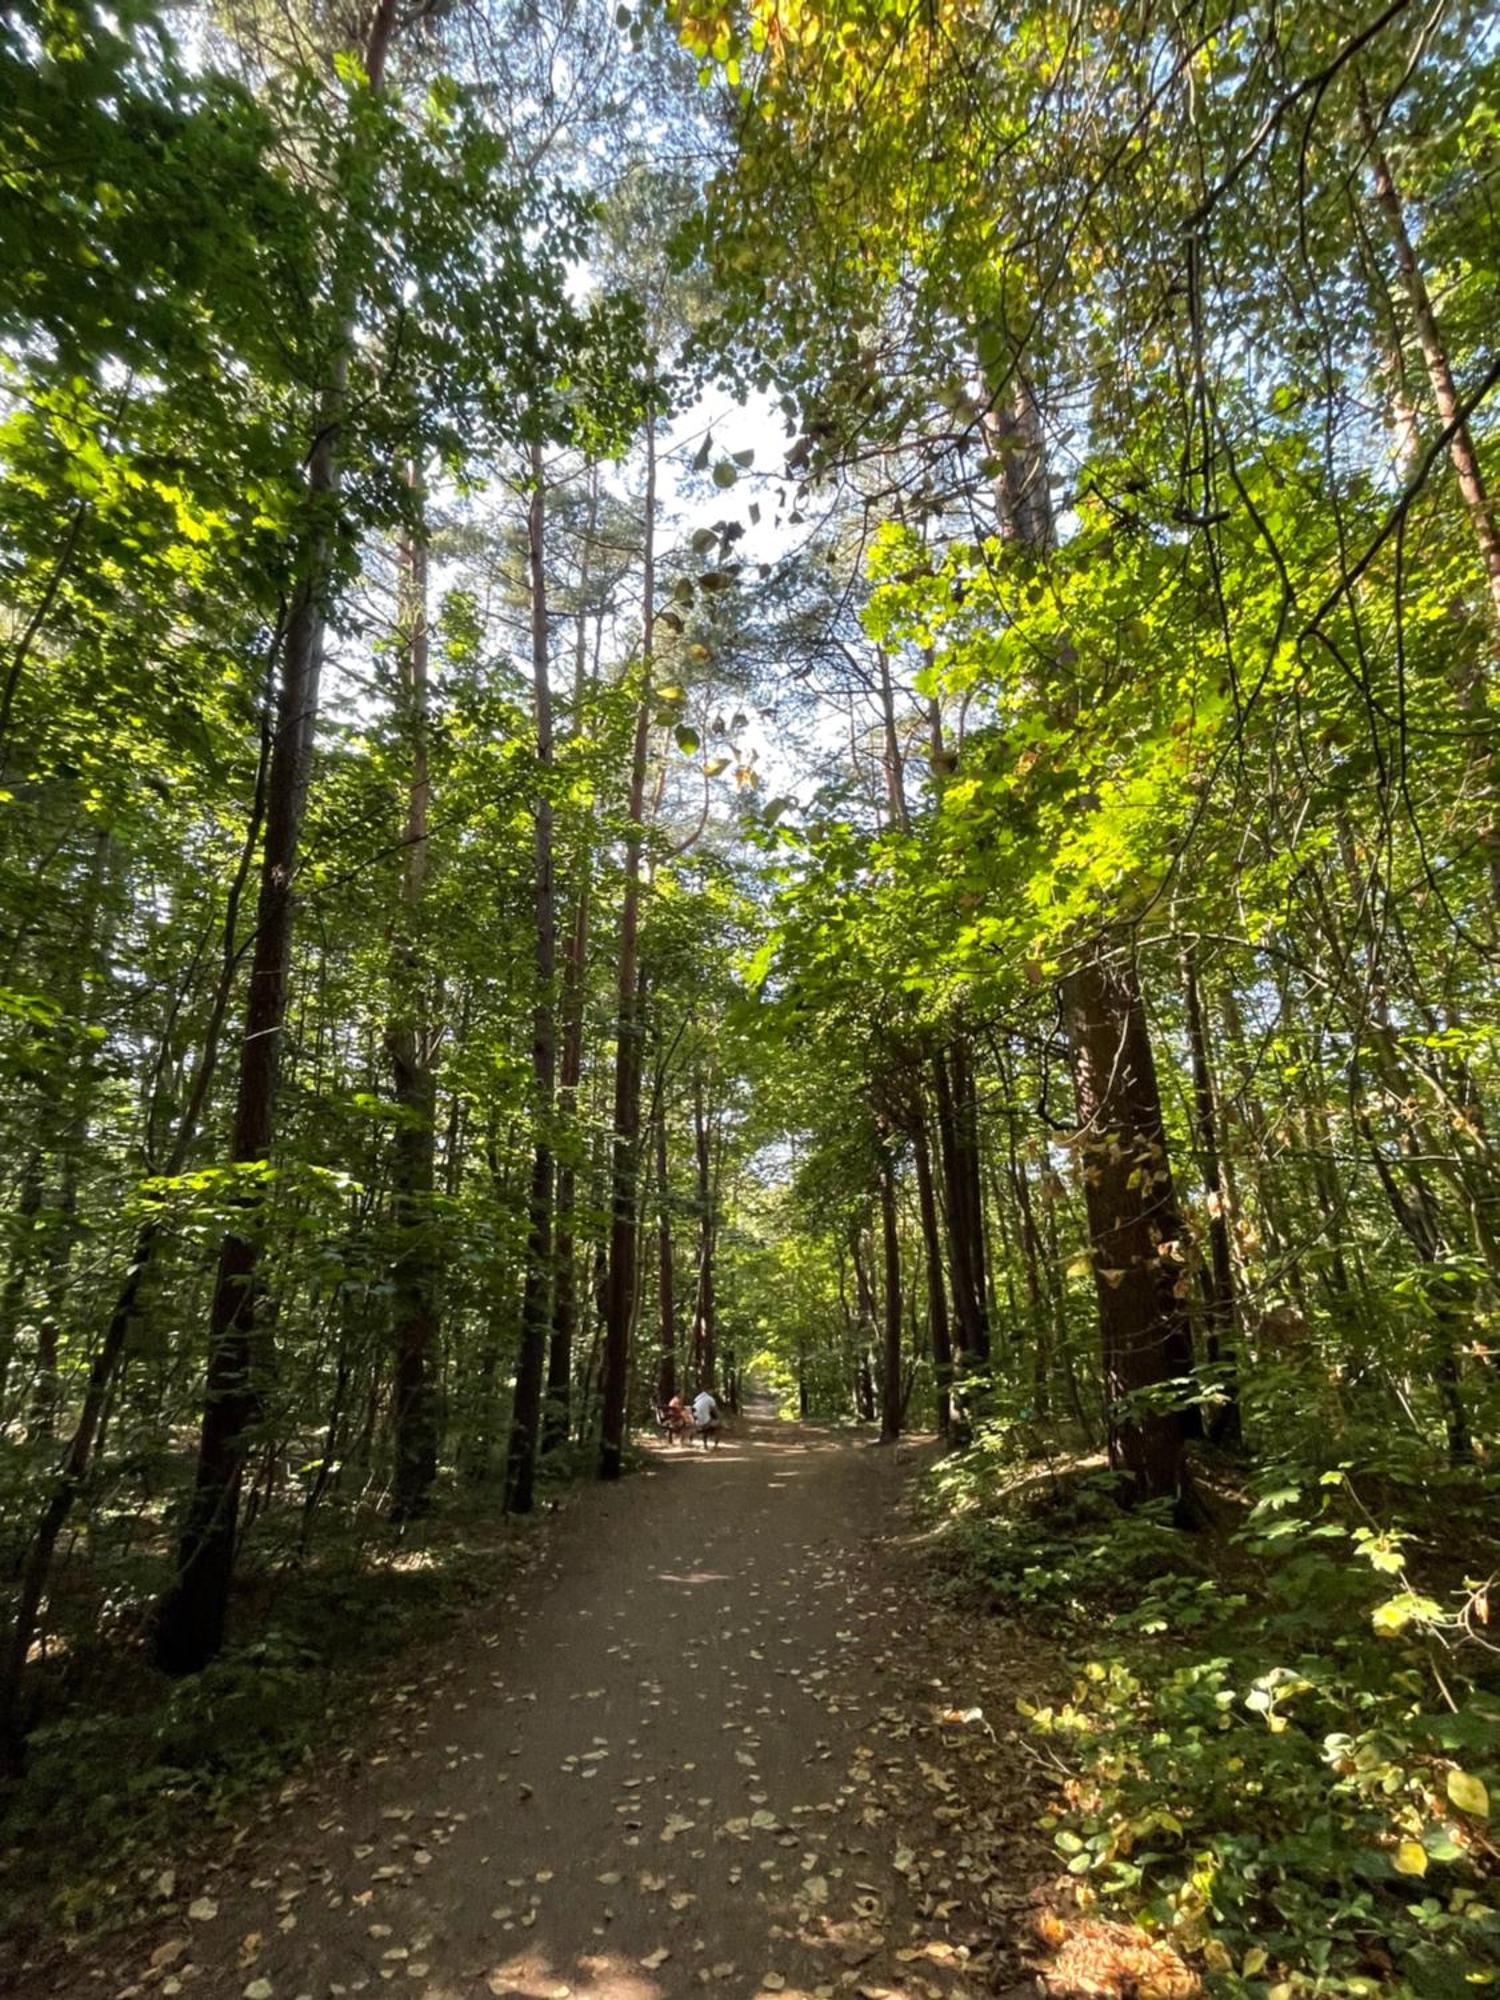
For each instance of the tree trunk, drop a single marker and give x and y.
(557, 1417)
(705, 1311)
(557, 1412)
(1132, 1215)
(965, 1257)
(25, 1240)
(537, 1300)
(864, 1381)
(620, 1304)
(666, 1375)
(892, 1398)
(1483, 520)
(1461, 450)
(189, 1628)
(937, 1297)
(416, 1324)
(1031, 1260)
(1225, 1426)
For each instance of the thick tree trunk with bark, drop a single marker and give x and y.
(953, 1079)
(1134, 1228)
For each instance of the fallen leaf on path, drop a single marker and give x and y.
(656, 1958)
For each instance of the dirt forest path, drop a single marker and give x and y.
(677, 1762)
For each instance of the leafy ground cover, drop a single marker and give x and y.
(1283, 1732)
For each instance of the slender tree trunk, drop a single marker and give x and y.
(556, 1421)
(1225, 1425)
(865, 1329)
(1133, 1222)
(892, 1399)
(557, 1412)
(937, 1296)
(1465, 458)
(23, 1246)
(705, 1313)
(620, 1306)
(666, 1377)
(1483, 518)
(1031, 1260)
(537, 1301)
(416, 1322)
(190, 1619)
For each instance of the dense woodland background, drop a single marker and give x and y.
(803, 692)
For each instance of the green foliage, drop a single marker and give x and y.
(1270, 1759)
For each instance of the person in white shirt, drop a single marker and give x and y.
(705, 1418)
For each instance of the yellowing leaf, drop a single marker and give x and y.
(1410, 1858)
(1469, 1794)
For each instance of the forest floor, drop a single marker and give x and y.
(721, 1739)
